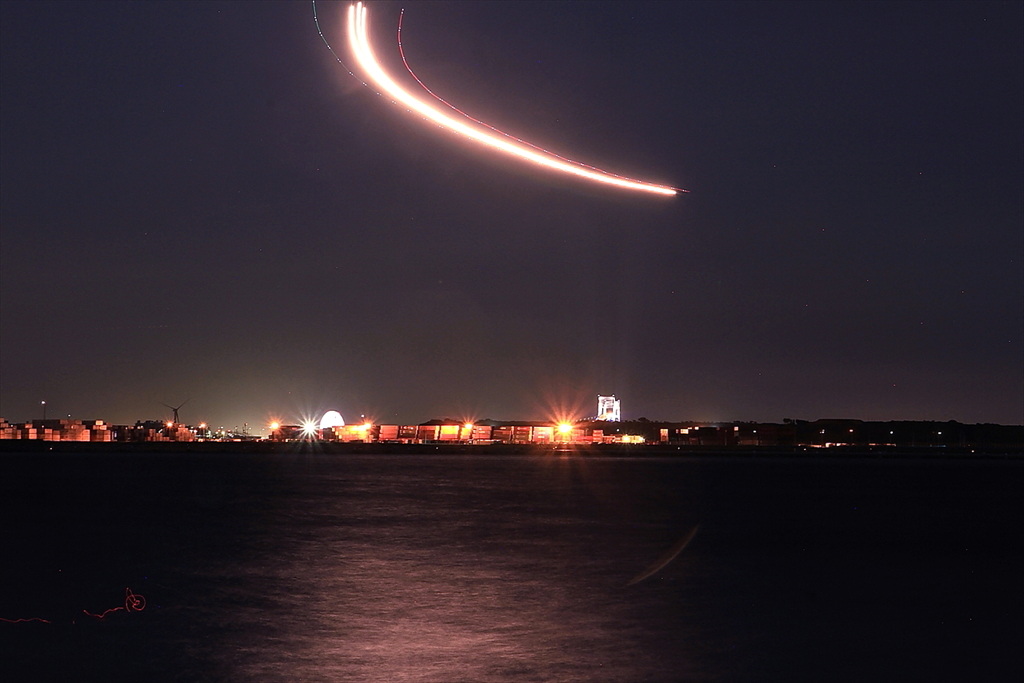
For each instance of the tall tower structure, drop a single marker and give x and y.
(608, 409)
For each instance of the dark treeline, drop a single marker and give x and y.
(833, 432)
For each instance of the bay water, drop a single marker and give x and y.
(543, 567)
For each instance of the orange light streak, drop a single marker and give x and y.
(358, 32)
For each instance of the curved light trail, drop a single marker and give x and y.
(401, 52)
(666, 558)
(358, 38)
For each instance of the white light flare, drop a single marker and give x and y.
(358, 39)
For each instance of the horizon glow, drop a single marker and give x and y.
(360, 44)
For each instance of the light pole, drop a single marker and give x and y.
(44, 409)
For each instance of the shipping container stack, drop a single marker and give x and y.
(99, 431)
(425, 433)
(56, 430)
(481, 433)
(449, 432)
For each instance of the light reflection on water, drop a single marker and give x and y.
(482, 574)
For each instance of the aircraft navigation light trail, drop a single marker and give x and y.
(358, 38)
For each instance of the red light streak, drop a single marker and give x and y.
(358, 38)
(132, 603)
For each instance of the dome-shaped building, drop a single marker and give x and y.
(332, 418)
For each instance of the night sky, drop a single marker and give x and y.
(199, 203)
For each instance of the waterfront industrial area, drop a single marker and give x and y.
(606, 428)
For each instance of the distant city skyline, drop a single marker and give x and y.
(330, 428)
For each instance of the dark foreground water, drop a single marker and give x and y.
(512, 568)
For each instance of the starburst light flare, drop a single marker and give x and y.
(358, 38)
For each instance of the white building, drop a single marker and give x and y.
(608, 409)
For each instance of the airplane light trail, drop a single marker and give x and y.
(358, 38)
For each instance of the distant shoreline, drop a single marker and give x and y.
(25, 446)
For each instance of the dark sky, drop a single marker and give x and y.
(199, 203)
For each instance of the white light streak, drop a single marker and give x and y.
(359, 41)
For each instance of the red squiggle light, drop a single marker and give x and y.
(132, 603)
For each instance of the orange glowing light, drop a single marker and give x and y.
(564, 428)
(275, 425)
(358, 38)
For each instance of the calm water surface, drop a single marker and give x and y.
(511, 568)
